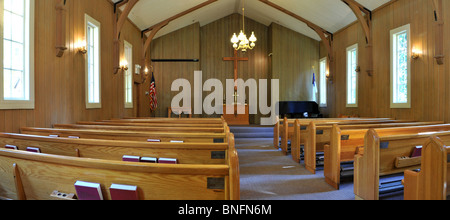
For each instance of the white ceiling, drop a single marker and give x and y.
(331, 15)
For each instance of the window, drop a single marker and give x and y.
(128, 77)
(93, 73)
(352, 76)
(323, 83)
(17, 72)
(401, 67)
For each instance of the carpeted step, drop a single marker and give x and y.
(252, 132)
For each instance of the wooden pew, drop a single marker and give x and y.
(286, 131)
(383, 152)
(130, 135)
(279, 125)
(185, 153)
(141, 128)
(32, 176)
(431, 182)
(308, 131)
(346, 141)
(170, 120)
(150, 124)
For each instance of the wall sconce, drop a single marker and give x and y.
(81, 47)
(416, 53)
(124, 65)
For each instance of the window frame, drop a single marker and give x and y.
(323, 87)
(29, 35)
(393, 33)
(349, 49)
(93, 105)
(128, 73)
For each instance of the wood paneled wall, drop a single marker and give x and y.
(430, 93)
(210, 44)
(293, 56)
(60, 82)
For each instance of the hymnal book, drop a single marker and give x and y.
(417, 152)
(12, 147)
(54, 135)
(88, 191)
(149, 159)
(153, 140)
(33, 149)
(168, 160)
(176, 141)
(129, 158)
(123, 192)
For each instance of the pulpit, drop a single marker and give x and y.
(236, 119)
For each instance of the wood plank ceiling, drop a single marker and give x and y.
(331, 15)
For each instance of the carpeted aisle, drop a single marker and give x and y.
(266, 174)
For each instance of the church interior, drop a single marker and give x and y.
(109, 100)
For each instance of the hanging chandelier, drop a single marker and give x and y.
(241, 42)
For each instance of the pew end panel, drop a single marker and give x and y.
(276, 133)
(295, 143)
(332, 163)
(430, 183)
(366, 168)
(310, 148)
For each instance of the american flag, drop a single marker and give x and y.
(153, 98)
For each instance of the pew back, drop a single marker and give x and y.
(382, 148)
(151, 124)
(185, 153)
(140, 128)
(131, 135)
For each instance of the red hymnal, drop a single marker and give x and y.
(417, 152)
(12, 147)
(33, 149)
(153, 140)
(131, 158)
(123, 192)
(88, 191)
(149, 159)
(168, 160)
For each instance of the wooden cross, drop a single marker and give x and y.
(235, 59)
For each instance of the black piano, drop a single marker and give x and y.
(299, 109)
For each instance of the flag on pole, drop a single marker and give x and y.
(314, 83)
(153, 97)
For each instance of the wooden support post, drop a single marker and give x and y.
(366, 23)
(118, 24)
(60, 27)
(439, 42)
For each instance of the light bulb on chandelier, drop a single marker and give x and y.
(241, 42)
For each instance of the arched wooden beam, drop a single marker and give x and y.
(325, 36)
(439, 42)
(366, 23)
(154, 30)
(118, 24)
